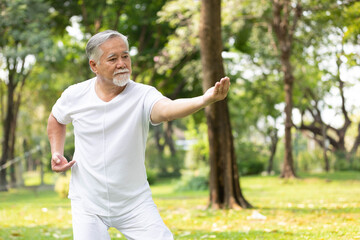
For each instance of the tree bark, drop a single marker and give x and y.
(273, 146)
(7, 131)
(326, 160)
(9, 124)
(284, 30)
(225, 191)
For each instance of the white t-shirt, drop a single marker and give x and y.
(109, 176)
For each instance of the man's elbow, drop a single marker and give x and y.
(162, 112)
(162, 117)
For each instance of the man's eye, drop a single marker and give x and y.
(125, 56)
(112, 59)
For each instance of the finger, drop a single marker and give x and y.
(58, 158)
(71, 163)
(221, 89)
(64, 167)
(225, 80)
(217, 87)
(226, 84)
(68, 166)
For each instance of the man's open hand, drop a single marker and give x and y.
(59, 163)
(217, 92)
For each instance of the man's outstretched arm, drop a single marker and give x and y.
(56, 134)
(167, 110)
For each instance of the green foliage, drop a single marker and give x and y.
(198, 153)
(307, 161)
(24, 29)
(352, 20)
(195, 175)
(194, 180)
(342, 162)
(178, 62)
(159, 156)
(69, 148)
(151, 176)
(242, 42)
(62, 185)
(250, 158)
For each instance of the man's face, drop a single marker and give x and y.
(114, 64)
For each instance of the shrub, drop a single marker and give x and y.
(345, 163)
(251, 167)
(310, 161)
(250, 158)
(194, 180)
(62, 185)
(151, 176)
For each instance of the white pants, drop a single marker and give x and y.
(142, 223)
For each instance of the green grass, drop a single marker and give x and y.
(34, 179)
(316, 206)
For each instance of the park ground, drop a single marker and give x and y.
(315, 206)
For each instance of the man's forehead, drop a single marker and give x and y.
(114, 45)
(113, 54)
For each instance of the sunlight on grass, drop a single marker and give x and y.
(34, 178)
(325, 206)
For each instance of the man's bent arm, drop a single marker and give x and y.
(56, 134)
(167, 110)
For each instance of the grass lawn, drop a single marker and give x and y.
(321, 206)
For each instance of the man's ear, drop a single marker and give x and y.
(93, 66)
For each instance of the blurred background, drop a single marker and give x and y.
(42, 46)
(293, 104)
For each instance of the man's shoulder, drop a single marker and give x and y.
(80, 87)
(140, 86)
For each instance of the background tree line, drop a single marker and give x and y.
(287, 60)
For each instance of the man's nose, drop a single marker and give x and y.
(121, 64)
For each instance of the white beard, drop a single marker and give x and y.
(121, 79)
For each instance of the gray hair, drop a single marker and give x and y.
(93, 52)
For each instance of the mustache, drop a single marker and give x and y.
(122, 71)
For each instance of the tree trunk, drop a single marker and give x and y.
(11, 154)
(9, 123)
(288, 166)
(274, 142)
(169, 141)
(225, 191)
(325, 147)
(7, 131)
(284, 31)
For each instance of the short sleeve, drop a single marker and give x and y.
(152, 97)
(61, 108)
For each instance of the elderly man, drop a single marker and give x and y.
(111, 115)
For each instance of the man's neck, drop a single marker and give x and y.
(107, 91)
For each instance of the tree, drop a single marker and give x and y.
(225, 189)
(24, 35)
(317, 84)
(284, 23)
